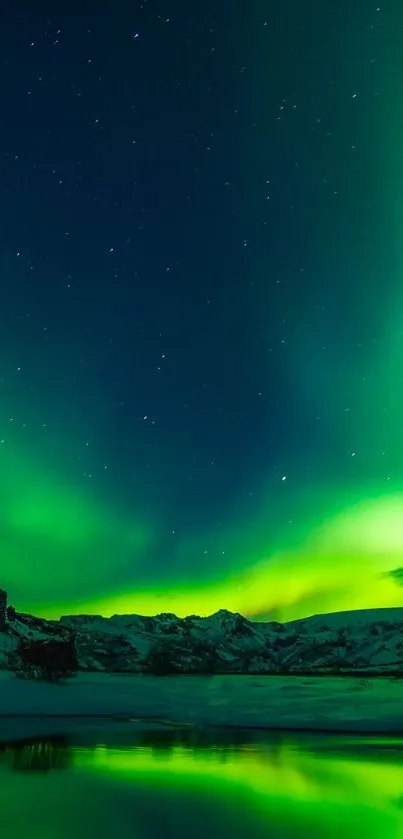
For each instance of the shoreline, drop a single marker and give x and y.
(89, 731)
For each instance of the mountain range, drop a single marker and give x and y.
(366, 642)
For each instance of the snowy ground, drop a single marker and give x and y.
(270, 702)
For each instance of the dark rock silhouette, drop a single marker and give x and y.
(49, 660)
(11, 613)
(3, 609)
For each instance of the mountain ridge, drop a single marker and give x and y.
(360, 642)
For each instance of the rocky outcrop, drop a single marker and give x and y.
(3, 609)
(355, 643)
(20, 630)
(50, 660)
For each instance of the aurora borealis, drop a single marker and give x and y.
(201, 351)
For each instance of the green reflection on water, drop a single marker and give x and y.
(198, 785)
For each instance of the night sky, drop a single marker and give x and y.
(201, 321)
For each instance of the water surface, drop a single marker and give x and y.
(197, 784)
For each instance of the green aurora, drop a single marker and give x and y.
(53, 535)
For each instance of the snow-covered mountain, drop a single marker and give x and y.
(361, 642)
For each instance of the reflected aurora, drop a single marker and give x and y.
(299, 788)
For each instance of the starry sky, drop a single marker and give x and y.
(201, 321)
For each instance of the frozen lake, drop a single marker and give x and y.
(267, 702)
